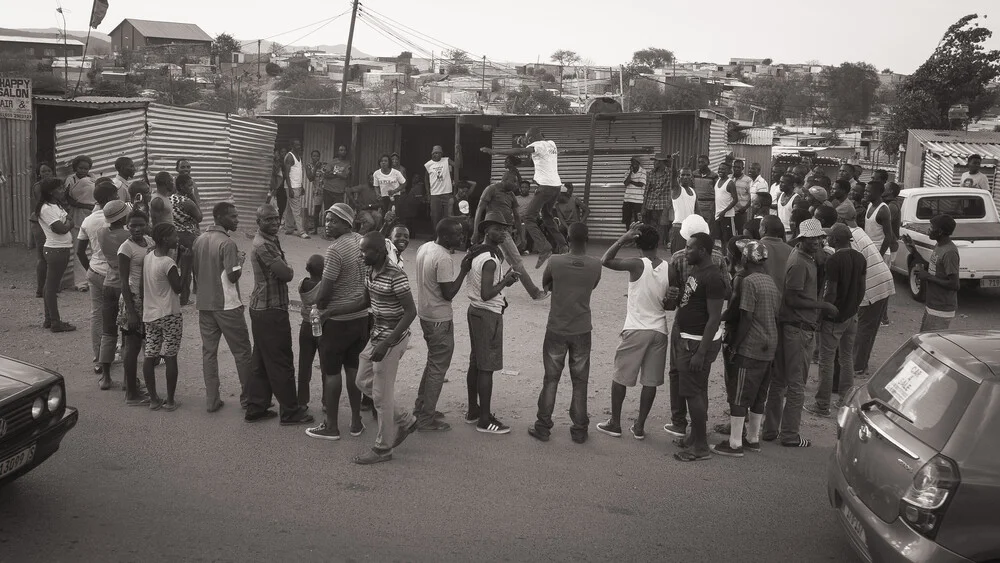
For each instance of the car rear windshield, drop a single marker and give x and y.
(959, 207)
(929, 393)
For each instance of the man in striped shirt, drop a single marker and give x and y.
(635, 190)
(387, 291)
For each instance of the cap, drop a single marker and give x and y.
(116, 210)
(661, 156)
(811, 228)
(494, 217)
(463, 207)
(847, 212)
(694, 223)
(342, 211)
(818, 193)
(753, 250)
(839, 231)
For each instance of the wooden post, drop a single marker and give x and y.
(458, 148)
(590, 159)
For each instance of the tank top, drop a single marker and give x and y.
(644, 310)
(723, 198)
(475, 284)
(683, 205)
(295, 173)
(872, 227)
(785, 211)
(165, 216)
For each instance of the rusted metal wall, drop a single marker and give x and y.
(18, 176)
(374, 140)
(201, 137)
(760, 154)
(718, 145)
(681, 135)
(616, 141)
(251, 146)
(319, 136)
(103, 138)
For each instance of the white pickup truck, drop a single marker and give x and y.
(977, 233)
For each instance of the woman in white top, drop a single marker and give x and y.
(57, 226)
(161, 313)
(388, 181)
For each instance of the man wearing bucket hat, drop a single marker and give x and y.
(798, 319)
(344, 314)
(752, 350)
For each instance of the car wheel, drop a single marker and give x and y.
(917, 289)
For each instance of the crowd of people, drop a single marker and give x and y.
(756, 288)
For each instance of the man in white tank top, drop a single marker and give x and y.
(642, 352)
(786, 201)
(878, 220)
(684, 203)
(293, 174)
(726, 202)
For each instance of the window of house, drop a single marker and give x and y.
(49, 53)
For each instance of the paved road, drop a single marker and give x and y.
(131, 485)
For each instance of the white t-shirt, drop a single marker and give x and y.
(977, 180)
(90, 230)
(388, 182)
(759, 186)
(158, 298)
(439, 176)
(52, 213)
(546, 161)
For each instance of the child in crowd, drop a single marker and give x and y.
(131, 254)
(308, 344)
(161, 313)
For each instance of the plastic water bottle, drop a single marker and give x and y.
(317, 326)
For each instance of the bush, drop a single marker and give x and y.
(272, 69)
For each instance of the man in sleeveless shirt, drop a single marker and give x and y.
(642, 351)
(878, 219)
(726, 205)
(683, 204)
(292, 173)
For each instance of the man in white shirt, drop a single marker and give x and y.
(974, 178)
(439, 180)
(293, 174)
(545, 157)
(757, 182)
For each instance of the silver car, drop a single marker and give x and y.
(916, 472)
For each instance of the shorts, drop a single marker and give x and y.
(163, 336)
(747, 380)
(486, 334)
(123, 315)
(690, 383)
(641, 357)
(341, 344)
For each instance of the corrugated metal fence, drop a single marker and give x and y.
(18, 176)
(760, 154)
(251, 145)
(104, 138)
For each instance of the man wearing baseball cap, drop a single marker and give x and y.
(751, 350)
(798, 319)
(845, 288)
(340, 296)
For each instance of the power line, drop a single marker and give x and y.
(324, 22)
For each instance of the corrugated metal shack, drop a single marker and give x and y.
(617, 137)
(756, 146)
(938, 158)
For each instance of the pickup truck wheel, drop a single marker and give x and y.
(917, 290)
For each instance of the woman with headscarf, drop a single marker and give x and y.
(45, 171)
(57, 225)
(80, 203)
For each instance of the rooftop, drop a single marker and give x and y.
(167, 30)
(36, 40)
(95, 102)
(945, 136)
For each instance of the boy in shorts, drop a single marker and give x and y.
(161, 313)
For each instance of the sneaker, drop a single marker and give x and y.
(402, 431)
(304, 236)
(723, 448)
(610, 429)
(357, 430)
(62, 326)
(494, 426)
(536, 434)
(438, 415)
(674, 430)
(323, 433)
(637, 432)
(299, 418)
(434, 426)
(579, 438)
(886, 323)
(257, 417)
(751, 446)
(472, 416)
(818, 410)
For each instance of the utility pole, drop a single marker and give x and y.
(395, 92)
(258, 60)
(483, 89)
(347, 58)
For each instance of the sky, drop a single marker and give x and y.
(895, 34)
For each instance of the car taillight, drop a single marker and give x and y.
(924, 503)
(845, 410)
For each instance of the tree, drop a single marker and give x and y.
(314, 96)
(291, 76)
(779, 98)
(653, 57)
(565, 57)
(959, 71)
(224, 45)
(277, 49)
(850, 93)
(383, 98)
(647, 95)
(458, 61)
(767, 62)
(535, 102)
(886, 70)
(272, 69)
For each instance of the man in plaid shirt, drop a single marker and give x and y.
(656, 200)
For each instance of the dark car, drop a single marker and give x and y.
(916, 472)
(33, 416)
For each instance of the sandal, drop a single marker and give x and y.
(155, 405)
(681, 443)
(140, 402)
(801, 443)
(688, 455)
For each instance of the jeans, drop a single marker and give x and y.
(38, 237)
(439, 208)
(233, 325)
(273, 370)
(378, 381)
(513, 258)
(542, 203)
(308, 346)
(109, 326)
(834, 337)
(555, 348)
(695, 386)
(440, 339)
(869, 321)
(56, 261)
(783, 411)
(678, 406)
(932, 323)
(96, 289)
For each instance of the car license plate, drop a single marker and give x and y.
(854, 523)
(17, 461)
(990, 282)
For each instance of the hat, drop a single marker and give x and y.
(116, 210)
(564, 190)
(635, 159)
(811, 228)
(694, 223)
(847, 212)
(753, 249)
(342, 211)
(494, 217)
(463, 207)
(840, 231)
(661, 156)
(818, 193)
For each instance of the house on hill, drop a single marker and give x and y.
(132, 34)
(39, 47)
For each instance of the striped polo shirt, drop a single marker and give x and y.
(345, 268)
(385, 289)
(878, 279)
